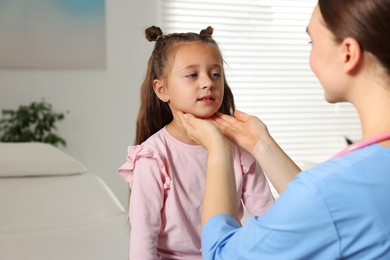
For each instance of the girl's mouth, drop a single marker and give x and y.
(207, 100)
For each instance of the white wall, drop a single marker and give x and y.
(103, 104)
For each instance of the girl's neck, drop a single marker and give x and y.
(178, 131)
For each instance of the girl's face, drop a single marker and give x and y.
(325, 58)
(195, 82)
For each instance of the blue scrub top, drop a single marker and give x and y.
(339, 209)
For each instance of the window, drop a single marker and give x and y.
(266, 51)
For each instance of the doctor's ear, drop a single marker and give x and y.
(352, 55)
(160, 90)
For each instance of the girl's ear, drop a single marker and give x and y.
(160, 90)
(352, 55)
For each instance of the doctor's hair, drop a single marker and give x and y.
(154, 114)
(367, 21)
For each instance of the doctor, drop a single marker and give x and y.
(339, 209)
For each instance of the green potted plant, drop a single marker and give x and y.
(31, 123)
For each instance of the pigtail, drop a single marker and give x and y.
(153, 33)
(208, 32)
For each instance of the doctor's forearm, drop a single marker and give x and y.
(277, 165)
(220, 192)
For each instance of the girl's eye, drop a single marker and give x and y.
(192, 75)
(216, 75)
(310, 42)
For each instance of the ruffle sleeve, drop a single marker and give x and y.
(134, 153)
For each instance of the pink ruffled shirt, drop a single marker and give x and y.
(167, 180)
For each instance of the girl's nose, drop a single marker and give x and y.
(207, 82)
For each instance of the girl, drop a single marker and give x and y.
(339, 209)
(166, 169)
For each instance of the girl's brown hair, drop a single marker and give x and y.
(153, 114)
(367, 21)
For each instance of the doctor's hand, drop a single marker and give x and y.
(251, 134)
(242, 129)
(202, 131)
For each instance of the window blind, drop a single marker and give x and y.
(266, 53)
